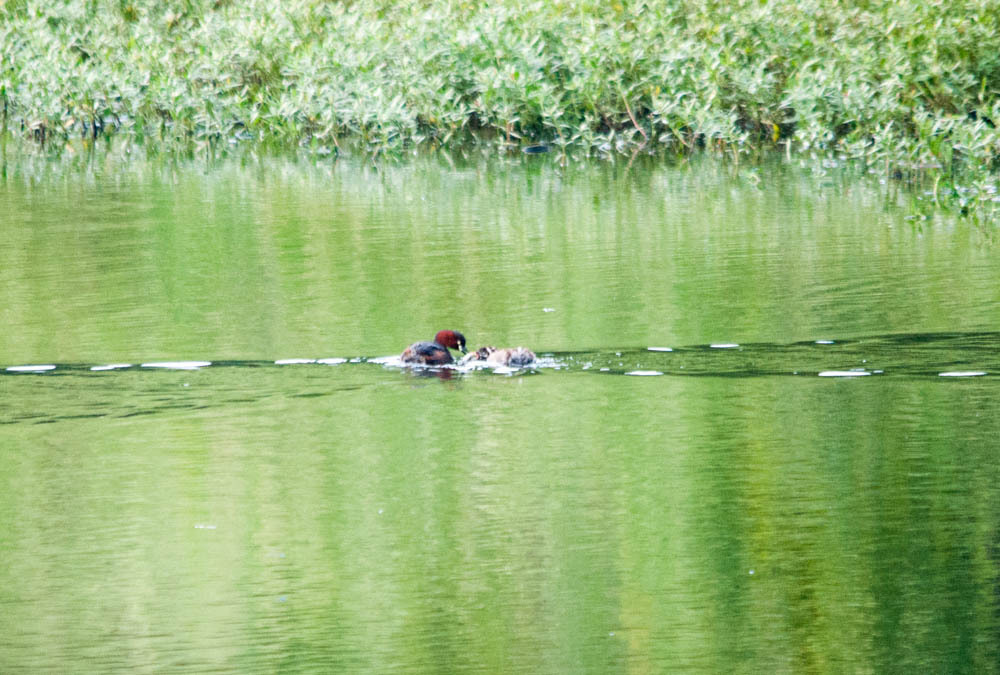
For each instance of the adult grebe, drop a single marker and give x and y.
(435, 353)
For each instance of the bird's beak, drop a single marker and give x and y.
(462, 349)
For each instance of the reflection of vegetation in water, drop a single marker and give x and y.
(567, 520)
(257, 257)
(908, 88)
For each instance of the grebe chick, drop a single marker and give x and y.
(517, 357)
(435, 353)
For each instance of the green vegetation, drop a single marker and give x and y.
(909, 88)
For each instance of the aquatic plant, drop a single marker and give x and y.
(908, 88)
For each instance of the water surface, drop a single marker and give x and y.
(675, 488)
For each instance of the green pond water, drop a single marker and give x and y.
(721, 507)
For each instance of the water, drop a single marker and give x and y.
(716, 507)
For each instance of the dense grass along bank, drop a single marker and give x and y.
(908, 87)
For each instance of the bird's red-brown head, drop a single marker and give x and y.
(452, 339)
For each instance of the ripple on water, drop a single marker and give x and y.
(909, 355)
(112, 366)
(388, 361)
(178, 365)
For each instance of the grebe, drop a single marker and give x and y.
(517, 357)
(435, 353)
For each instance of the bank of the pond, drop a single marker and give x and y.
(909, 88)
